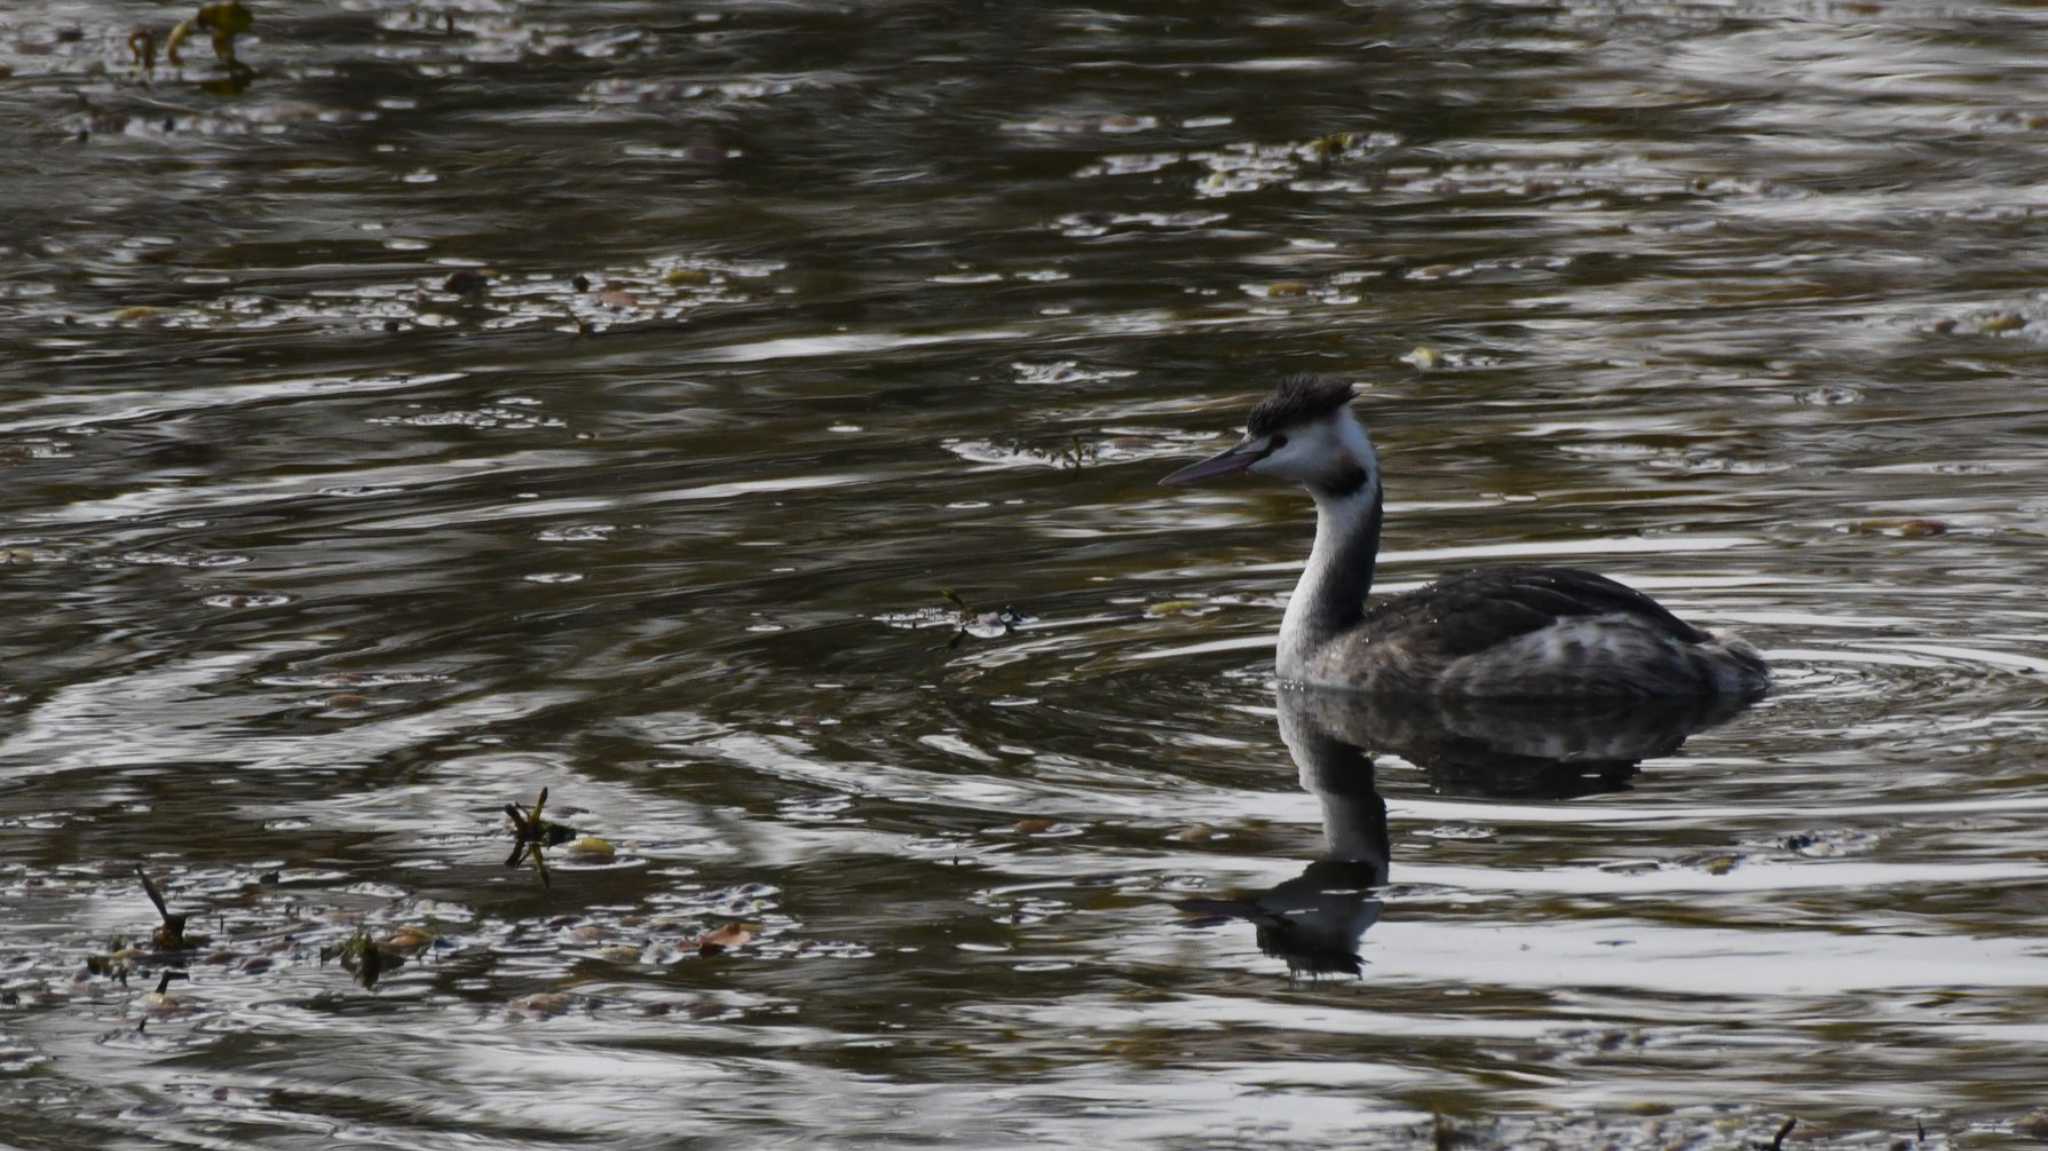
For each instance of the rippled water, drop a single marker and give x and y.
(314, 557)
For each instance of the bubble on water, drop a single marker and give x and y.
(358, 491)
(255, 599)
(352, 679)
(185, 559)
(493, 417)
(1831, 395)
(578, 533)
(1135, 164)
(1456, 831)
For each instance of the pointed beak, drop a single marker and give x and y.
(1247, 452)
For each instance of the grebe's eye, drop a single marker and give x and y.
(1276, 443)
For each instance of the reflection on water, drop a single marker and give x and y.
(741, 420)
(1314, 920)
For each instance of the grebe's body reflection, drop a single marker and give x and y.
(1315, 920)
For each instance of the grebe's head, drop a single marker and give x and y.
(1305, 432)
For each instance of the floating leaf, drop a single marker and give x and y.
(728, 936)
(591, 847)
(365, 958)
(1034, 826)
(1424, 358)
(408, 940)
(1286, 288)
(223, 22)
(618, 298)
(544, 1003)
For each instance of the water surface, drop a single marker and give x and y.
(805, 325)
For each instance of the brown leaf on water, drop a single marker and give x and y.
(1907, 529)
(729, 936)
(545, 1003)
(1286, 288)
(1722, 864)
(1034, 826)
(618, 298)
(408, 940)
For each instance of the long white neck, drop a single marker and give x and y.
(1331, 595)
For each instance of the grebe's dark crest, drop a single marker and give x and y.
(1504, 632)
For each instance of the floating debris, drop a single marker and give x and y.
(466, 282)
(170, 934)
(365, 958)
(1424, 358)
(1908, 529)
(979, 624)
(223, 22)
(142, 43)
(724, 938)
(120, 959)
(161, 1002)
(531, 835)
(593, 848)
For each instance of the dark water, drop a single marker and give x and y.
(308, 565)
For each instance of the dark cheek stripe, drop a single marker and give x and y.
(1344, 483)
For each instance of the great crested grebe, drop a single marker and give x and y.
(1537, 633)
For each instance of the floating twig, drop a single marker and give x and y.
(979, 624)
